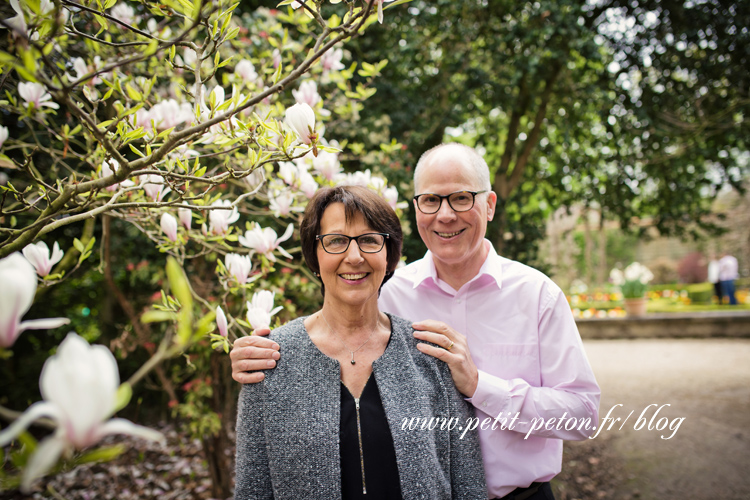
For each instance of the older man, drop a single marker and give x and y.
(518, 359)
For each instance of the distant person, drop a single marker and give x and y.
(713, 276)
(727, 274)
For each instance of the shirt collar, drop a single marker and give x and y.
(492, 268)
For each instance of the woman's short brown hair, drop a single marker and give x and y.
(356, 200)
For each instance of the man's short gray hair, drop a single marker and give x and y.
(472, 159)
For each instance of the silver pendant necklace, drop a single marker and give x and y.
(342, 340)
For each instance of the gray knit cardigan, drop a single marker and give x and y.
(288, 425)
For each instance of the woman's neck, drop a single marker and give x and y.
(351, 321)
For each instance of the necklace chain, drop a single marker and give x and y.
(377, 323)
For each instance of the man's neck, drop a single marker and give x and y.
(457, 275)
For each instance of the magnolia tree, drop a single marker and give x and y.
(205, 129)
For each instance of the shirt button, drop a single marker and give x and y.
(484, 404)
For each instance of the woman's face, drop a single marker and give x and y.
(351, 278)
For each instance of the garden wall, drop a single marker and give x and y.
(732, 324)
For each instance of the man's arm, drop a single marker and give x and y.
(251, 354)
(568, 386)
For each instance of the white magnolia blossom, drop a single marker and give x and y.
(264, 241)
(154, 186)
(331, 60)
(35, 93)
(221, 219)
(239, 266)
(260, 309)
(79, 386)
(276, 58)
(301, 119)
(38, 255)
(290, 172)
(3, 135)
(17, 288)
(82, 69)
(221, 322)
(246, 70)
(186, 217)
(380, 9)
(125, 13)
(168, 224)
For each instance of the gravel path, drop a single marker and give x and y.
(706, 382)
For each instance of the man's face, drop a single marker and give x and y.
(454, 238)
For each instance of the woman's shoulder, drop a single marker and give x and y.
(289, 332)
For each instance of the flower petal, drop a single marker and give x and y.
(122, 426)
(44, 457)
(33, 412)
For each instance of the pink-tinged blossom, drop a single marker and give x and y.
(169, 226)
(391, 196)
(154, 186)
(17, 23)
(3, 135)
(239, 266)
(38, 254)
(260, 309)
(301, 119)
(307, 93)
(288, 172)
(276, 58)
(125, 13)
(17, 288)
(264, 241)
(221, 322)
(246, 70)
(169, 113)
(79, 387)
(307, 184)
(283, 204)
(35, 93)
(221, 219)
(327, 165)
(331, 60)
(186, 217)
(357, 179)
(110, 167)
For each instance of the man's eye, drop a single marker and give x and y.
(431, 200)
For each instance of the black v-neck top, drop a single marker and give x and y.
(381, 470)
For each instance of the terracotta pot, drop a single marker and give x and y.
(635, 307)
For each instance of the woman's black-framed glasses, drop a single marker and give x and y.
(339, 243)
(460, 201)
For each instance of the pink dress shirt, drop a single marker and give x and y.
(525, 343)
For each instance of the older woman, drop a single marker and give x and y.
(333, 419)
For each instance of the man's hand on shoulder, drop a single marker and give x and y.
(454, 350)
(253, 353)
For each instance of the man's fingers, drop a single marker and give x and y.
(252, 341)
(435, 352)
(263, 332)
(248, 378)
(433, 326)
(248, 365)
(436, 338)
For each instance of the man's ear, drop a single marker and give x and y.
(491, 204)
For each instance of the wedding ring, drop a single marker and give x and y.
(449, 347)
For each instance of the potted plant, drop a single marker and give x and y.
(633, 283)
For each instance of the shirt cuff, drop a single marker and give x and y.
(492, 395)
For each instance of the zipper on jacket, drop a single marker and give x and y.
(361, 452)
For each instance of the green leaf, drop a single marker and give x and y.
(397, 2)
(78, 245)
(178, 283)
(122, 398)
(104, 454)
(158, 316)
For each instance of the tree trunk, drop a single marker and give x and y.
(215, 448)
